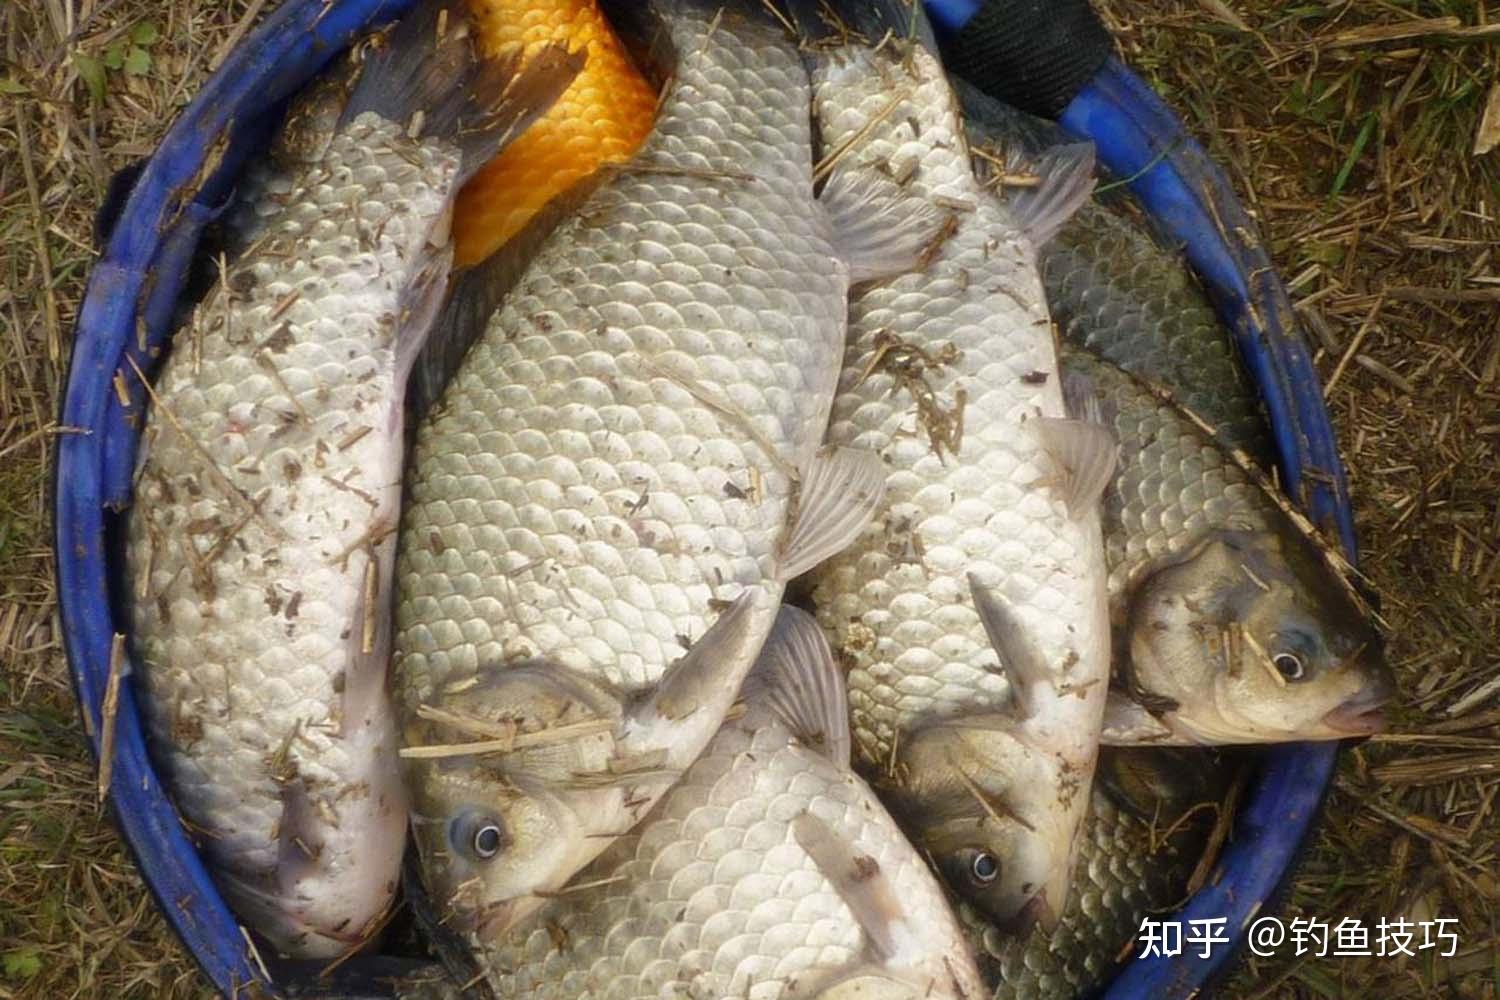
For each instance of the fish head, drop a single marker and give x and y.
(1254, 637)
(478, 871)
(987, 810)
(502, 825)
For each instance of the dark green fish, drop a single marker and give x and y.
(1233, 623)
(1114, 290)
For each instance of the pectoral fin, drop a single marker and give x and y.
(797, 678)
(697, 691)
(1067, 181)
(840, 492)
(1127, 723)
(1022, 662)
(1085, 453)
(858, 880)
(880, 228)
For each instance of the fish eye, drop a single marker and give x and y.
(983, 867)
(1289, 665)
(487, 841)
(476, 835)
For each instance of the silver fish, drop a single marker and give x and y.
(267, 494)
(988, 546)
(1152, 814)
(769, 870)
(609, 495)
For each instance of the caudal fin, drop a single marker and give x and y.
(426, 74)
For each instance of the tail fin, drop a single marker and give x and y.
(426, 74)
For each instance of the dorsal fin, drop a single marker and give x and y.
(1066, 180)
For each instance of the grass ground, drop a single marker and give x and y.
(1348, 128)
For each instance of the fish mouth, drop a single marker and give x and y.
(1363, 714)
(1036, 913)
(494, 919)
(483, 920)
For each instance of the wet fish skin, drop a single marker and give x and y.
(1235, 625)
(725, 888)
(1115, 291)
(950, 375)
(1141, 846)
(260, 542)
(613, 488)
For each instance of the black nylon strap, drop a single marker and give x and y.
(1032, 54)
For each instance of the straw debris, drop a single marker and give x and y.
(1349, 131)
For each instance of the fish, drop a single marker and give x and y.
(601, 119)
(261, 539)
(768, 870)
(1188, 502)
(1116, 292)
(971, 615)
(609, 494)
(1235, 622)
(1151, 820)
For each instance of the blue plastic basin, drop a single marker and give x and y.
(127, 311)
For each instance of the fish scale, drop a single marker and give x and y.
(713, 894)
(573, 437)
(1173, 483)
(244, 658)
(1115, 292)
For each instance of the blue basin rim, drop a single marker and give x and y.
(142, 264)
(144, 267)
(1139, 138)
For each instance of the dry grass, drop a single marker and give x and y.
(74, 919)
(1348, 129)
(1353, 148)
